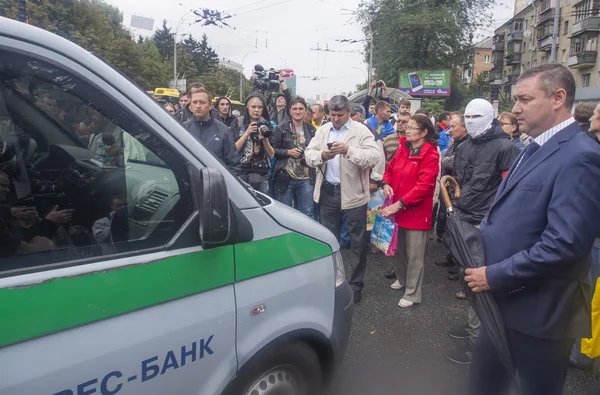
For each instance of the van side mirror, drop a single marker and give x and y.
(213, 207)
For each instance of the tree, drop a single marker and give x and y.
(163, 38)
(206, 58)
(226, 81)
(140, 39)
(424, 34)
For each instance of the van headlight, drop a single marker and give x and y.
(338, 265)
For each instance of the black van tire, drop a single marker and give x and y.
(268, 370)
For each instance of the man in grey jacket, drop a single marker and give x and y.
(213, 134)
(344, 152)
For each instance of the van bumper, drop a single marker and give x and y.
(342, 321)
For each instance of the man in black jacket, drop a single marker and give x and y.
(294, 180)
(480, 164)
(223, 107)
(186, 113)
(213, 134)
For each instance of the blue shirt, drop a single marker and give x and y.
(383, 130)
(444, 139)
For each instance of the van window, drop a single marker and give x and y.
(80, 177)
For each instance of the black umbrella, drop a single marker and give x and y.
(466, 245)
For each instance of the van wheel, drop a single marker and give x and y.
(285, 369)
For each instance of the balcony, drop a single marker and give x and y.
(515, 36)
(495, 77)
(511, 79)
(591, 24)
(498, 63)
(498, 46)
(583, 59)
(545, 44)
(546, 15)
(466, 80)
(513, 58)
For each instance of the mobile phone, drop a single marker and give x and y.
(329, 145)
(415, 82)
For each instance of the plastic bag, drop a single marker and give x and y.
(591, 347)
(385, 233)
(374, 207)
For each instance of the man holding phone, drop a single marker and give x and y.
(343, 152)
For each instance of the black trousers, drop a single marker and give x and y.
(331, 217)
(541, 364)
(441, 219)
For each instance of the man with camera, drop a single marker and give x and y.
(344, 152)
(213, 134)
(252, 134)
(294, 180)
(380, 88)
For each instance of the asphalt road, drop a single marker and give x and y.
(402, 351)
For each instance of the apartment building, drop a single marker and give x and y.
(525, 41)
(478, 61)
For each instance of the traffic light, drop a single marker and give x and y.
(23, 11)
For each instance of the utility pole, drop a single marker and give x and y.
(23, 11)
(370, 57)
(555, 32)
(175, 60)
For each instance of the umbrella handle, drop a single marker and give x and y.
(446, 194)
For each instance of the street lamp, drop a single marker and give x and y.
(175, 49)
(364, 73)
(242, 74)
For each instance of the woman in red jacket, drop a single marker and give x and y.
(410, 178)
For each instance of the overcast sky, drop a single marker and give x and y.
(286, 31)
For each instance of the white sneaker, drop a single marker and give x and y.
(396, 285)
(405, 303)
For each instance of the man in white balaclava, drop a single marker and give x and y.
(479, 116)
(479, 166)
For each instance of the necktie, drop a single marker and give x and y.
(529, 151)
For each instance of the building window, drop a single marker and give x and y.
(599, 78)
(583, 10)
(528, 65)
(486, 59)
(566, 27)
(585, 80)
(524, 47)
(518, 26)
(534, 62)
(564, 56)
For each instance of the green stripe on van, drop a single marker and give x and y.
(269, 255)
(40, 309)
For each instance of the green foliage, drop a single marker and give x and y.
(163, 38)
(422, 34)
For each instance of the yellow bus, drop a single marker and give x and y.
(168, 95)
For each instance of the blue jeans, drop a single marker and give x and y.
(299, 192)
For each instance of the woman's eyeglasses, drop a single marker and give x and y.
(505, 123)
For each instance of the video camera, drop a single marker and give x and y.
(266, 80)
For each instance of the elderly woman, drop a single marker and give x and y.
(509, 123)
(410, 178)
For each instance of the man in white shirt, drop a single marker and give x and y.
(343, 152)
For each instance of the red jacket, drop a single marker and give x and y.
(413, 180)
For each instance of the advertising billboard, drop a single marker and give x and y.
(426, 82)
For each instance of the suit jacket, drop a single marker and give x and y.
(538, 235)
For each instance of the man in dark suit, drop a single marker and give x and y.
(538, 235)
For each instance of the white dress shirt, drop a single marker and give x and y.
(332, 172)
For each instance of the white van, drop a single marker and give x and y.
(147, 268)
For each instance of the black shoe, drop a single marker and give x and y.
(461, 356)
(357, 297)
(453, 277)
(390, 274)
(445, 263)
(453, 270)
(459, 332)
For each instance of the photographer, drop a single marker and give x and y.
(280, 112)
(375, 85)
(252, 133)
(294, 180)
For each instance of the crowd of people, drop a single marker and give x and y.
(528, 180)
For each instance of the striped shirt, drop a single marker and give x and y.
(547, 135)
(391, 144)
